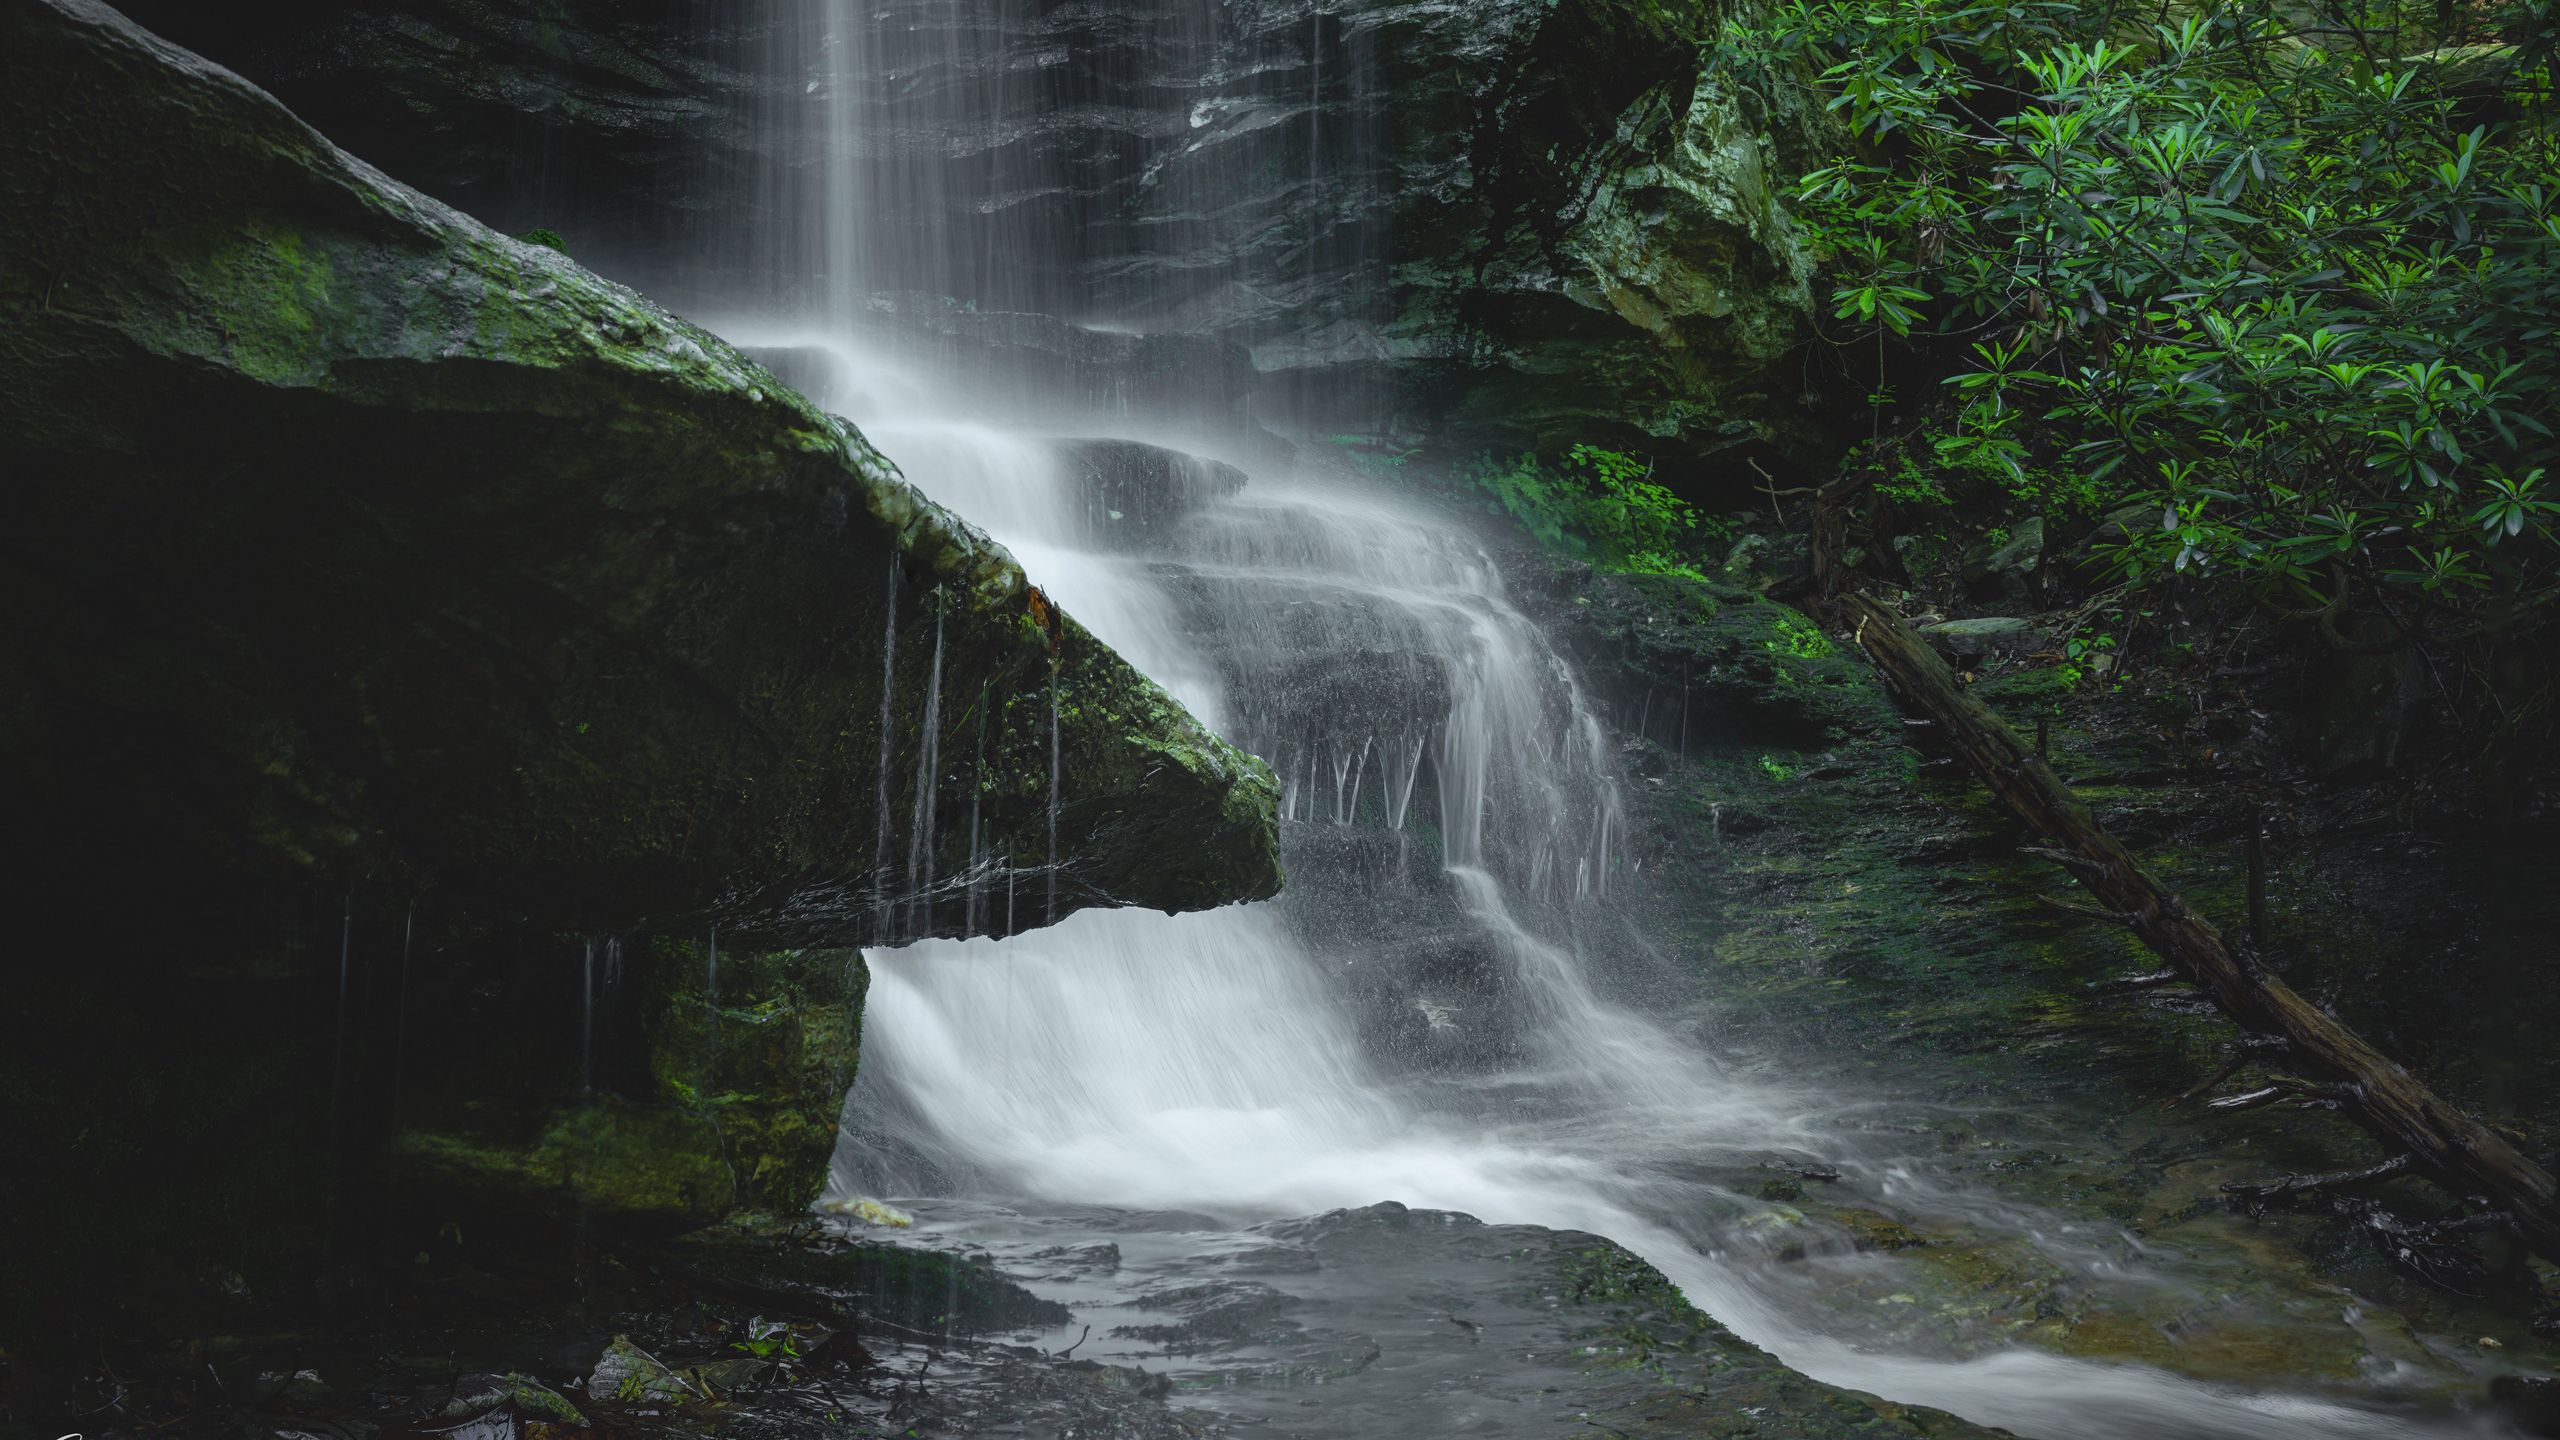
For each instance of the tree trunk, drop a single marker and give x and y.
(2440, 1141)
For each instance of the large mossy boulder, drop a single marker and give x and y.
(392, 542)
(407, 628)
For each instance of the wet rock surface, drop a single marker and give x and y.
(1135, 494)
(1388, 1321)
(1382, 1322)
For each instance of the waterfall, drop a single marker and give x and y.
(1444, 1008)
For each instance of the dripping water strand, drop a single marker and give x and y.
(972, 920)
(928, 766)
(1055, 763)
(400, 1007)
(883, 921)
(338, 1062)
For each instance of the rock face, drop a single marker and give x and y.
(1685, 662)
(1523, 223)
(1609, 241)
(628, 128)
(416, 639)
(1135, 494)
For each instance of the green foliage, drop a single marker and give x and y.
(1600, 505)
(548, 239)
(769, 1340)
(1799, 638)
(1954, 474)
(2288, 274)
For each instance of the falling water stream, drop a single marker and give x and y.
(1444, 1010)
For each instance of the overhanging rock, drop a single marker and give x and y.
(349, 539)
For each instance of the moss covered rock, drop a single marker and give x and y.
(765, 1045)
(1699, 660)
(401, 543)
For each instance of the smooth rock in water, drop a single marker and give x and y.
(1135, 494)
(628, 1373)
(2532, 1405)
(477, 1394)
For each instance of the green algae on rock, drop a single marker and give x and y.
(764, 1044)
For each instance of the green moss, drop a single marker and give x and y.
(768, 1061)
(652, 1167)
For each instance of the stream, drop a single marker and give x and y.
(1446, 1009)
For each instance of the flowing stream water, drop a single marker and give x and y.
(1445, 1009)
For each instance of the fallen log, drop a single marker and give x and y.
(2440, 1141)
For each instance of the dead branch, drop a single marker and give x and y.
(2091, 912)
(2256, 1047)
(2313, 1184)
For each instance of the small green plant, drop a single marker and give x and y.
(1776, 770)
(1600, 505)
(769, 1340)
(2083, 655)
(547, 239)
(1799, 639)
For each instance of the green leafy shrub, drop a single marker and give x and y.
(2287, 273)
(1599, 505)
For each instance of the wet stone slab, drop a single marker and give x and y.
(1379, 1322)
(1393, 1322)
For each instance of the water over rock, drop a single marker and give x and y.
(1134, 493)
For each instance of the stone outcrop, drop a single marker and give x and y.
(433, 552)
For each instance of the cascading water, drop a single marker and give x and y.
(1442, 1010)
